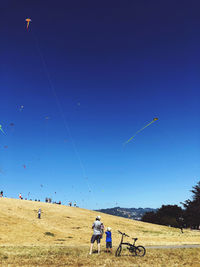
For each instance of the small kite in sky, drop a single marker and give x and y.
(21, 108)
(28, 20)
(24, 166)
(2, 129)
(155, 119)
(12, 124)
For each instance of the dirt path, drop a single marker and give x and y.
(174, 246)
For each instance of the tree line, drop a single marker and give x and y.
(176, 216)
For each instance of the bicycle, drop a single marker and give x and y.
(135, 250)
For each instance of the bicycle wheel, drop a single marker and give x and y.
(140, 251)
(118, 251)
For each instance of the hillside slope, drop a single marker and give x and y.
(72, 226)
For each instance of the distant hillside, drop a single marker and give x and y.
(131, 213)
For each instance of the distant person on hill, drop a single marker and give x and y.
(20, 196)
(70, 203)
(108, 240)
(1, 194)
(97, 234)
(39, 214)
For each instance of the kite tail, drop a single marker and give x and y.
(129, 140)
(2, 131)
(139, 131)
(145, 127)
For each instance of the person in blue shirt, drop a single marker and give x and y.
(108, 240)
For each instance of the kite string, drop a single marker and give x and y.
(61, 110)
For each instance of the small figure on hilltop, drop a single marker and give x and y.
(70, 203)
(39, 214)
(108, 240)
(20, 196)
(1, 194)
(74, 204)
(97, 234)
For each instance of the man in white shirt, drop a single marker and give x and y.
(97, 234)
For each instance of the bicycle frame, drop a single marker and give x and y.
(127, 244)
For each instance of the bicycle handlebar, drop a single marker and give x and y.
(123, 234)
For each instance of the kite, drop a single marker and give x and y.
(2, 129)
(21, 108)
(12, 124)
(24, 166)
(155, 119)
(28, 21)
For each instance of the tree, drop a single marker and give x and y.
(150, 217)
(167, 215)
(192, 208)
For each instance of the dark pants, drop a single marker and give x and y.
(39, 215)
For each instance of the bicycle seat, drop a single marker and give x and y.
(135, 239)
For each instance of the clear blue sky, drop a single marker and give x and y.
(100, 71)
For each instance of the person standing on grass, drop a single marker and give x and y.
(97, 234)
(108, 240)
(39, 214)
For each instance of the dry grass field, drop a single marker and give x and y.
(62, 237)
(76, 257)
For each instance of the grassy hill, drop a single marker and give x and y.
(70, 226)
